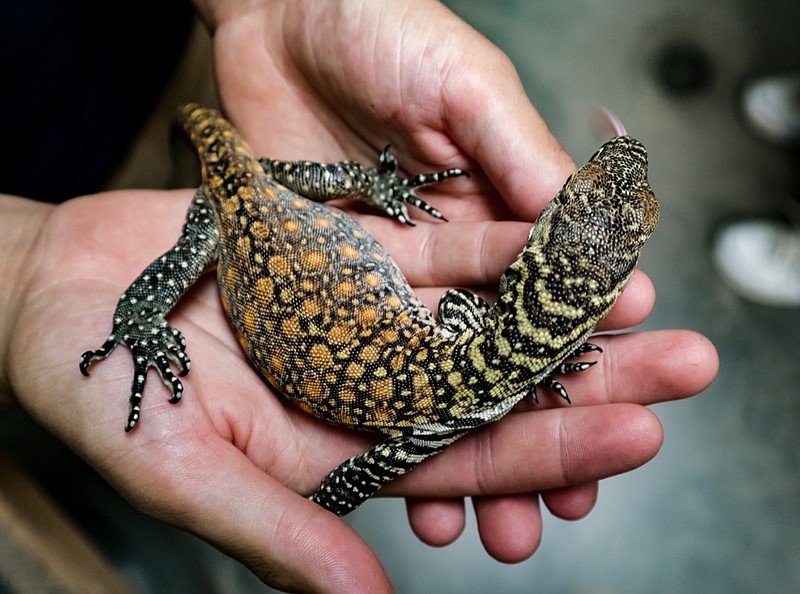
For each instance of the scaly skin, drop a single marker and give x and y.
(327, 317)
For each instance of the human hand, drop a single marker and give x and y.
(216, 470)
(231, 461)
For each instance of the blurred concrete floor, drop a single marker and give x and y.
(716, 511)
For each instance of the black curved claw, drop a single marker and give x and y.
(557, 387)
(554, 385)
(392, 192)
(182, 360)
(161, 362)
(178, 337)
(409, 198)
(566, 368)
(153, 343)
(586, 347)
(104, 351)
(535, 394)
(179, 356)
(424, 179)
(399, 211)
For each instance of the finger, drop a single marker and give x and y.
(571, 503)
(646, 367)
(633, 306)
(534, 451)
(578, 444)
(436, 522)
(448, 254)
(287, 541)
(510, 527)
(524, 161)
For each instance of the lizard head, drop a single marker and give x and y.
(580, 255)
(605, 211)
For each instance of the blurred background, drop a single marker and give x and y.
(717, 509)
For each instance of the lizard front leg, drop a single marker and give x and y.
(139, 319)
(567, 367)
(380, 187)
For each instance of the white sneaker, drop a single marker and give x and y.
(760, 259)
(771, 107)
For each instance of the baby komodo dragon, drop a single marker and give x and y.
(329, 320)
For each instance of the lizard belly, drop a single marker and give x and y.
(327, 317)
(323, 311)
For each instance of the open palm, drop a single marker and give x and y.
(233, 461)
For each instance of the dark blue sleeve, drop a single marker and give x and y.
(79, 80)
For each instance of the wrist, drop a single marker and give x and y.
(20, 222)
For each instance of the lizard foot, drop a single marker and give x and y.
(392, 192)
(153, 343)
(566, 368)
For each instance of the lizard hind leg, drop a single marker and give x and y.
(357, 479)
(379, 186)
(140, 316)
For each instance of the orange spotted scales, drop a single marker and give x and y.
(327, 317)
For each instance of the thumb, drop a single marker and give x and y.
(289, 542)
(491, 117)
